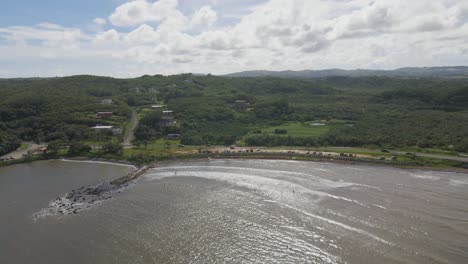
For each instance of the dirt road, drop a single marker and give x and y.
(18, 154)
(131, 131)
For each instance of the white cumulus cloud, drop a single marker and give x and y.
(100, 21)
(141, 11)
(205, 17)
(170, 36)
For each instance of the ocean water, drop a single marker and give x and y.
(237, 211)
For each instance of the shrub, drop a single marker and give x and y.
(112, 148)
(77, 148)
(281, 131)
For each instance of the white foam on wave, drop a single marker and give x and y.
(458, 182)
(279, 190)
(276, 161)
(336, 223)
(268, 184)
(254, 171)
(425, 176)
(289, 237)
(100, 162)
(276, 173)
(380, 206)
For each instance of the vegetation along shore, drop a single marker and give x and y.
(389, 120)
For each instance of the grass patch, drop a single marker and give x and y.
(156, 147)
(305, 129)
(24, 146)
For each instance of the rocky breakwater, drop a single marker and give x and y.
(130, 177)
(87, 197)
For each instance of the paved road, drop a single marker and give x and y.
(131, 135)
(427, 155)
(435, 156)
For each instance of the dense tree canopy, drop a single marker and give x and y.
(209, 109)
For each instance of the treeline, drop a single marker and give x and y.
(212, 120)
(424, 129)
(44, 110)
(8, 143)
(218, 110)
(437, 97)
(152, 126)
(208, 120)
(276, 140)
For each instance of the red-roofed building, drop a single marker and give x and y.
(104, 115)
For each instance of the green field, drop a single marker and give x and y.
(306, 129)
(157, 146)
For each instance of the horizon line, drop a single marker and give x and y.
(237, 72)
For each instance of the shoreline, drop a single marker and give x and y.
(87, 197)
(340, 162)
(361, 163)
(256, 156)
(100, 161)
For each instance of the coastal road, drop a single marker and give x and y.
(426, 155)
(435, 156)
(131, 131)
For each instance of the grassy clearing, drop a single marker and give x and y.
(160, 146)
(24, 146)
(306, 129)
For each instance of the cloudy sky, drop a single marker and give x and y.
(131, 38)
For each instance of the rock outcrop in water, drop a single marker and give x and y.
(88, 197)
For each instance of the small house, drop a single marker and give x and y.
(98, 127)
(135, 90)
(115, 131)
(240, 105)
(157, 107)
(168, 122)
(168, 114)
(104, 115)
(107, 101)
(173, 136)
(44, 150)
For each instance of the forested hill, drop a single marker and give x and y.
(411, 72)
(261, 111)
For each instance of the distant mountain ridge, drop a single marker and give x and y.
(408, 72)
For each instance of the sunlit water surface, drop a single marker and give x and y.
(231, 211)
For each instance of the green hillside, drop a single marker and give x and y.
(378, 111)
